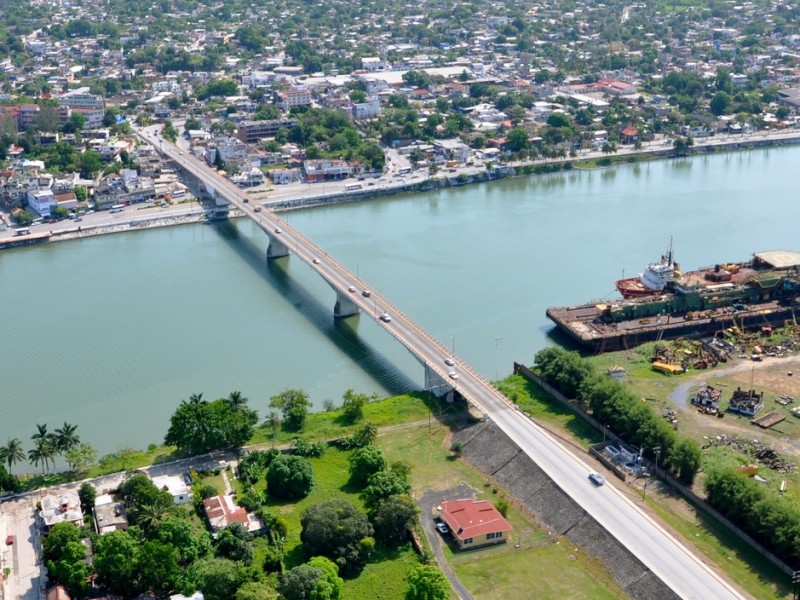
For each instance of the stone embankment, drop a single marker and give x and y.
(488, 449)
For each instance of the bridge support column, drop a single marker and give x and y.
(344, 307)
(276, 248)
(437, 385)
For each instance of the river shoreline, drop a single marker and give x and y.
(700, 148)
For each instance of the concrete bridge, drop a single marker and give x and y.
(686, 574)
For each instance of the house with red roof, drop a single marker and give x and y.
(474, 523)
(222, 512)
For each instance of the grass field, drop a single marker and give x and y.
(541, 567)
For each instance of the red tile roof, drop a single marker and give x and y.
(471, 518)
(221, 512)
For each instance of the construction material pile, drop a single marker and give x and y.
(763, 453)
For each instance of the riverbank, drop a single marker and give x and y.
(463, 176)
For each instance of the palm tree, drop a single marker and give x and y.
(273, 420)
(41, 433)
(150, 515)
(236, 400)
(12, 452)
(196, 398)
(40, 454)
(368, 433)
(66, 439)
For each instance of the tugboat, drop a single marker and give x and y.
(654, 280)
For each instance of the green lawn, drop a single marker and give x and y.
(540, 563)
(554, 571)
(330, 483)
(330, 425)
(534, 401)
(384, 576)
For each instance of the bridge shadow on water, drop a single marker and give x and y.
(343, 333)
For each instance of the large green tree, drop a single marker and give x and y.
(65, 558)
(340, 531)
(316, 580)
(294, 405)
(394, 519)
(116, 562)
(198, 426)
(364, 463)
(381, 486)
(427, 582)
(290, 477)
(219, 579)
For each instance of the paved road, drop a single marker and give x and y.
(681, 570)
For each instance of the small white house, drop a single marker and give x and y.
(176, 486)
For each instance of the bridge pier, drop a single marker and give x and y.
(437, 385)
(276, 248)
(344, 307)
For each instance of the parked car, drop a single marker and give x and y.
(443, 529)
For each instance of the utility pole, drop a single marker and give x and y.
(657, 450)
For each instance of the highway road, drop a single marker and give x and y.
(681, 570)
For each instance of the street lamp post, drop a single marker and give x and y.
(657, 450)
(497, 357)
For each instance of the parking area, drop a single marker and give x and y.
(437, 540)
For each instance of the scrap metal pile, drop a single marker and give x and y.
(764, 454)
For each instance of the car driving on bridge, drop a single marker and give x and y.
(386, 317)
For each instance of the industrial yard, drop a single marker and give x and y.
(741, 401)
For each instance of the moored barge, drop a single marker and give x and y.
(762, 291)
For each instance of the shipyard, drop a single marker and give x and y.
(665, 303)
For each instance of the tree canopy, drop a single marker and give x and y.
(198, 426)
(427, 582)
(338, 530)
(290, 477)
(294, 405)
(364, 463)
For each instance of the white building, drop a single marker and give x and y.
(373, 64)
(64, 508)
(452, 150)
(176, 486)
(41, 202)
(297, 96)
(81, 98)
(367, 110)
